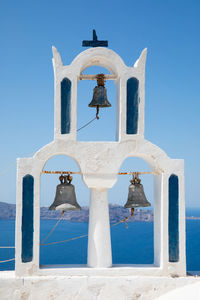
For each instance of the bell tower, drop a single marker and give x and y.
(99, 164)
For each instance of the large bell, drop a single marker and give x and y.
(65, 198)
(136, 196)
(99, 94)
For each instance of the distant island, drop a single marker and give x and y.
(117, 213)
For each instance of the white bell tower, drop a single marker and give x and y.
(99, 163)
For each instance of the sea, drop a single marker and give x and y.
(131, 243)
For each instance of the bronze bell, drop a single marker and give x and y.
(99, 94)
(136, 196)
(65, 198)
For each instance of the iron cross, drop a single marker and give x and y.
(94, 42)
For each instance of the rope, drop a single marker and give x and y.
(65, 241)
(80, 173)
(59, 172)
(125, 219)
(68, 240)
(86, 124)
(3, 261)
(48, 235)
(82, 236)
(5, 247)
(122, 221)
(85, 235)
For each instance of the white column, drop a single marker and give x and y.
(99, 243)
(161, 221)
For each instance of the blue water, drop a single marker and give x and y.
(73, 252)
(132, 245)
(7, 238)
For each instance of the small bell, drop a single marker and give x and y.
(99, 94)
(65, 198)
(136, 196)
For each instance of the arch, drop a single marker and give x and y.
(53, 155)
(147, 159)
(128, 251)
(107, 115)
(95, 69)
(152, 154)
(65, 162)
(132, 165)
(99, 56)
(68, 227)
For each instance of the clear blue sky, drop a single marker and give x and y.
(169, 29)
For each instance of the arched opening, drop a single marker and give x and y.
(63, 246)
(103, 129)
(133, 241)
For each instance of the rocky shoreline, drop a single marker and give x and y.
(117, 213)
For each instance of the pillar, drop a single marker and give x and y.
(99, 242)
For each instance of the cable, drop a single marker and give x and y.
(86, 124)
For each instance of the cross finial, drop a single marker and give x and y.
(94, 42)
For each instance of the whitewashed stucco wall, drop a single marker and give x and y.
(98, 288)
